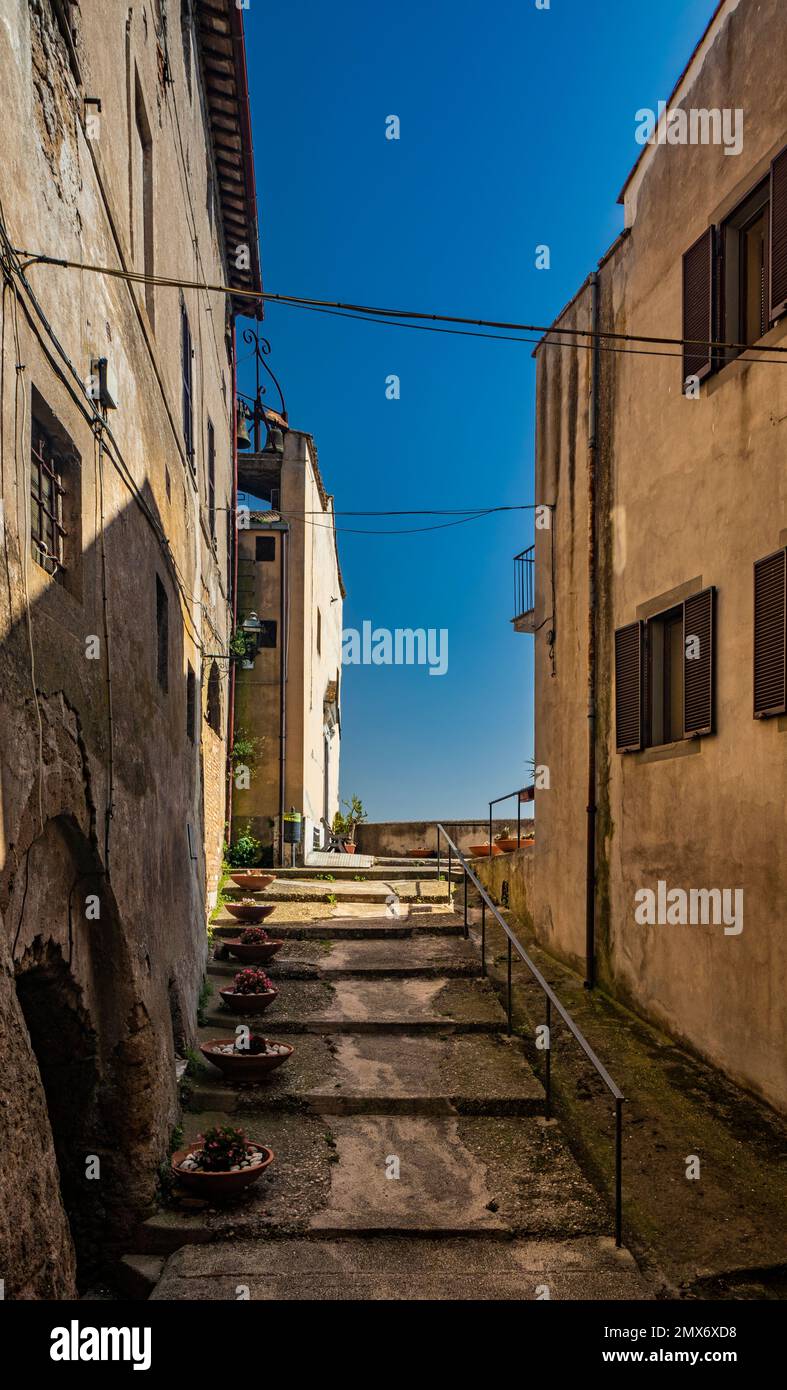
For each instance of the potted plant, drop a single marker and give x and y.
(506, 842)
(253, 945)
(485, 851)
(249, 910)
(246, 1061)
(244, 852)
(251, 992)
(221, 1163)
(346, 826)
(254, 880)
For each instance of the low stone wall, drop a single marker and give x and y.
(393, 839)
(515, 870)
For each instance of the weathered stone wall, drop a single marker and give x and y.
(104, 786)
(690, 494)
(508, 878)
(393, 839)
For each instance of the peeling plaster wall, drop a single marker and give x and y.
(686, 490)
(125, 980)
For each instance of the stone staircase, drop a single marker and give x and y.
(413, 1159)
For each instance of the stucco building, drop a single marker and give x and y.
(126, 144)
(659, 612)
(290, 701)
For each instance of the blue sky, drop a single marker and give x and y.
(517, 129)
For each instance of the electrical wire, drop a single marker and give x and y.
(385, 314)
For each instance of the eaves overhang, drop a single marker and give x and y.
(223, 60)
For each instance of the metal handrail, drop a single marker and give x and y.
(518, 794)
(552, 1002)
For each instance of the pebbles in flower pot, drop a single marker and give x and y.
(247, 1058)
(253, 945)
(221, 1163)
(249, 910)
(251, 992)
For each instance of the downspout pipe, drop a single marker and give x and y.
(590, 857)
(234, 596)
(284, 604)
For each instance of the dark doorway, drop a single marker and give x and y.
(65, 1050)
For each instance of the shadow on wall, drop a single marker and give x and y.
(100, 957)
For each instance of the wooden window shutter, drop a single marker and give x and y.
(770, 635)
(698, 317)
(698, 664)
(628, 687)
(778, 237)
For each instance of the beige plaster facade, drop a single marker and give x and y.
(291, 549)
(691, 491)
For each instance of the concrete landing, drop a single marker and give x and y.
(464, 1175)
(350, 922)
(314, 889)
(386, 1074)
(358, 1005)
(422, 956)
(403, 1269)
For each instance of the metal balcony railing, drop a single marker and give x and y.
(524, 590)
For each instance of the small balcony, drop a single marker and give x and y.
(524, 602)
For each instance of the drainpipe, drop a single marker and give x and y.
(590, 860)
(284, 603)
(234, 504)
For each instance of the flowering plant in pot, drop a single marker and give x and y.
(248, 1057)
(252, 991)
(254, 945)
(222, 1161)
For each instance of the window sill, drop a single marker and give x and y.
(660, 752)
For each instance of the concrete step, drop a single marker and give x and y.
(421, 956)
(403, 1269)
(307, 890)
(389, 873)
(347, 926)
(493, 1177)
(383, 1074)
(371, 1005)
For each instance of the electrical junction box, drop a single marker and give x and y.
(105, 385)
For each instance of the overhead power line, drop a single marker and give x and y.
(382, 314)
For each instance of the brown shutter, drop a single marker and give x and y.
(778, 236)
(628, 687)
(698, 305)
(770, 635)
(698, 683)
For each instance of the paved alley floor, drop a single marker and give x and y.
(413, 1158)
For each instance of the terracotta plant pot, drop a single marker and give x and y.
(510, 843)
(253, 953)
(419, 853)
(250, 912)
(247, 1003)
(219, 1185)
(253, 879)
(483, 852)
(349, 847)
(244, 1066)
